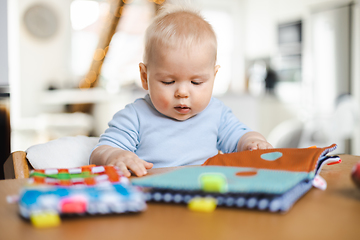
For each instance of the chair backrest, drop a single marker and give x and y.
(65, 152)
(17, 166)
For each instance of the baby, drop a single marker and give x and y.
(178, 122)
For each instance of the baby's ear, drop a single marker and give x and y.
(217, 69)
(143, 76)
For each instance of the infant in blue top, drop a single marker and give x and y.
(167, 142)
(178, 122)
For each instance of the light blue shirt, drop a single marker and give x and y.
(167, 142)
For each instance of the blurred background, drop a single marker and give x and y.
(290, 69)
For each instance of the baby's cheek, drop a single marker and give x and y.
(165, 102)
(162, 103)
(201, 103)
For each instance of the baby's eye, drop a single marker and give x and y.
(167, 82)
(196, 83)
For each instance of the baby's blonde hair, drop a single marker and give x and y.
(178, 26)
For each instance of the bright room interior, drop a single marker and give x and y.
(312, 48)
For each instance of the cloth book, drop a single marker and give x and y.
(269, 179)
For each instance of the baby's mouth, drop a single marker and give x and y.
(182, 109)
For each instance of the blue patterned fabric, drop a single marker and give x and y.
(264, 181)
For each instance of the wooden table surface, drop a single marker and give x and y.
(330, 214)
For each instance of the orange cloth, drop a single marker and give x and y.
(290, 159)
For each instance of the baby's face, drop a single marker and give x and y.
(180, 82)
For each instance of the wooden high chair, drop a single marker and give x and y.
(17, 166)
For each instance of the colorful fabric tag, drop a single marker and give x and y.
(319, 182)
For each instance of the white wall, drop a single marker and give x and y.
(36, 62)
(262, 17)
(236, 10)
(356, 73)
(4, 71)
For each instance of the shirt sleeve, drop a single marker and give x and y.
(230, 131)
(123, 131)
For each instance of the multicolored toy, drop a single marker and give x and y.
(91, 190)
(268, 179)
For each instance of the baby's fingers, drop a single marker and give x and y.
(137, 167)
(252, 146)
(147, 165)
(123, 169)
(264, 145)
(259, 145)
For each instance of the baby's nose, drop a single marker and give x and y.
(182, 92)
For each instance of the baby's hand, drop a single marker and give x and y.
(253, 141)
(254, 144)
(124, 160)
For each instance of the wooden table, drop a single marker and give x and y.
(330, 214)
